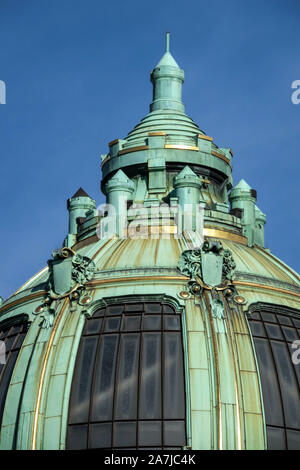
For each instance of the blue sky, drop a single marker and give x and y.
(77, 77)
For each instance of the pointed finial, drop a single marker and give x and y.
(167, 41)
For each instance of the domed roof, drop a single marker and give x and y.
(119, 255)
(119, 316)
(177, 125)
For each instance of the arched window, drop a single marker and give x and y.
(128, 388)
(275, 329)
(12, 335)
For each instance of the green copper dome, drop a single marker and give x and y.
(143, 333)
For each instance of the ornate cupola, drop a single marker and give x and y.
(167, 79)
(165, 147)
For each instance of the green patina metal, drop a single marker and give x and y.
(166, 158)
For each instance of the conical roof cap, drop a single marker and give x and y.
(80, 193)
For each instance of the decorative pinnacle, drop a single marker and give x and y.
(167, 79)
(167, 41)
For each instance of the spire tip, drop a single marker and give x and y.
(167, 41)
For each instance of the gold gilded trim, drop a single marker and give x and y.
(42, 378)
(205, 137)
(263, 286)
(181, 147)
(136, 278)
(103, 246)
(133, 149)
(22, 300)
(234, 237)
(277, 260)
(30, 280)
(156, 133)
(150, 230)
(238, 419)
(113, 142)
(222, 157)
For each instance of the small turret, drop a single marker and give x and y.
(119, 189)
(243, 197)
(167, 79)
(259, 233)
(78, 206)
(187, 186)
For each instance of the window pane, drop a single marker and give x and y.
(112, 324)
(105, 377)
(93, 326)
(81, 390)
(114, 309)
(257, 328)
(150, 433)
(296, 366)
(124, 434)
(9, 343)
(99, 313)
(276, 438)
(173, 377)
(132, 323)
(288, 384)
(152, 322)
(293, 439)
(169, 309)
(271, 394)
(153, 308)
(255, 316)
(77, 437)
(174, 433)
(150, 394)
(19, 341)
(10, 331)
(268, 317)
(284, 320)
(5, 380)
(296, 322)
(100, 435)
(290, 333)
(13, 337)
(17, 329)
(172, 322)
(127, 381)
(134, 308)
(273, 331)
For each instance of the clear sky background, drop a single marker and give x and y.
(77, 77)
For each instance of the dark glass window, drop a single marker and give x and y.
(274, 330)
(13, 337)
(128, 388)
